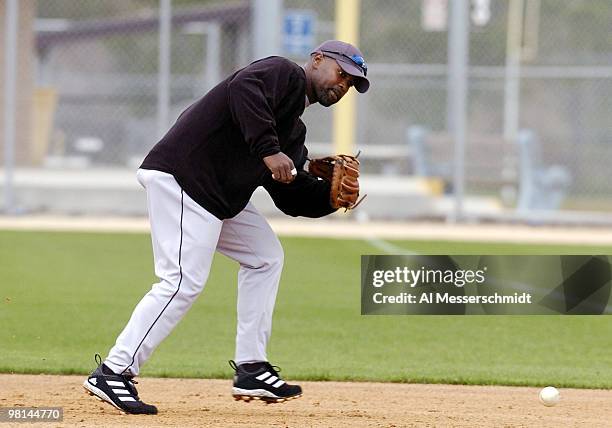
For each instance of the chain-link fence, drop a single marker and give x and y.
(557, 78)
(97, 86)
(101, 58)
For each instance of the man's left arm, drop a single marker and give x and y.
(306, 196)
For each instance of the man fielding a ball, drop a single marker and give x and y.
(245, 133)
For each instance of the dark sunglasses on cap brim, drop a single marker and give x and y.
(356, 59)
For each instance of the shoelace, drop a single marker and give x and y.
(274, 369)
(130, 384)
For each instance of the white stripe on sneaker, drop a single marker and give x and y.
(263, 376)
(115, 383)
(279, 383)
(121, 391)
(271, 380)
(127, 398)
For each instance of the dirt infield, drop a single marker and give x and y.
(511, 233)
(207, 403)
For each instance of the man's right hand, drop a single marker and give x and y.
(281, 166)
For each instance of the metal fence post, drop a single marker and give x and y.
(458, 39)
(267, 20)
(10, 103)
(512, 83)
(163, 82)
(213, 55)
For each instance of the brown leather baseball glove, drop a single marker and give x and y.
(342, 172)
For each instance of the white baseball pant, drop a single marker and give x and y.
(185, 237)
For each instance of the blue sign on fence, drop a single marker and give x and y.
(299, 32)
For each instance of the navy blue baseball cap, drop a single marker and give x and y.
(349, 58)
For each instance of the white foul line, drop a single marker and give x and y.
(388, 247)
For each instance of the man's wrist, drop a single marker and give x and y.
(269, 152)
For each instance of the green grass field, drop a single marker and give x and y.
(66, 296)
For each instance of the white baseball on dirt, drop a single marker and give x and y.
(549, 396)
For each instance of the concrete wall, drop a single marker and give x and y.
(25, 79)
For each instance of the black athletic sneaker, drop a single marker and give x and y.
(261, 381)
(117, 390)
